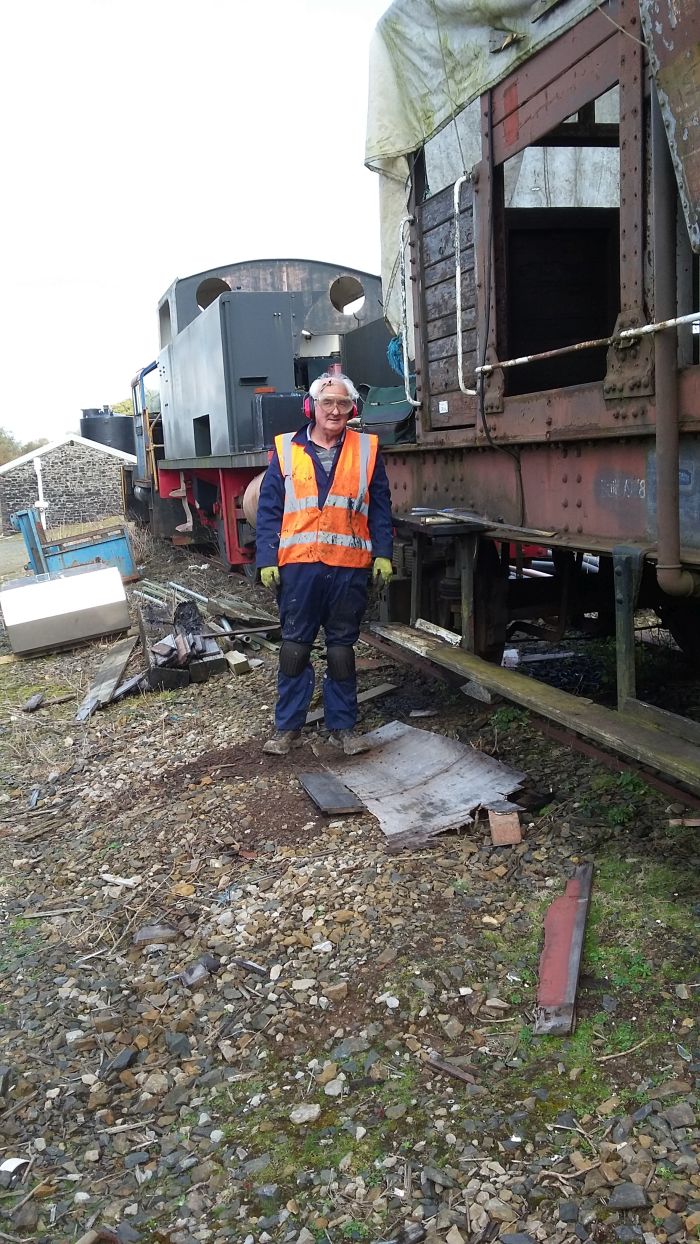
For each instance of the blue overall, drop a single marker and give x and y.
(316, 595)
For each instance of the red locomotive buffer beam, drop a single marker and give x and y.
(226, 512)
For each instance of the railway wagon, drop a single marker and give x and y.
(540, 198)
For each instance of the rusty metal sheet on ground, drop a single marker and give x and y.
(418, 784)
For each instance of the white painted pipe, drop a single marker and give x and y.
(41, 503)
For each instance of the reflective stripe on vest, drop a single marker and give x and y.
(338, 532)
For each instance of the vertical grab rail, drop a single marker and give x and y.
(458, 287)
(406, 220)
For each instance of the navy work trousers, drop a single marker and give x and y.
(310, 597)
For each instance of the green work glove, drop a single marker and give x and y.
(270, 576)
(383, 570)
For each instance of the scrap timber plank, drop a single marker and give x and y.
(671, 756)
(564, 928)
(330, 794)
(106, 678)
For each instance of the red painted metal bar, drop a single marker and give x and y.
(564, 930)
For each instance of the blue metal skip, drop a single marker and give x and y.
(111, 546)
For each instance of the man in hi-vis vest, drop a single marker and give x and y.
(324, 520)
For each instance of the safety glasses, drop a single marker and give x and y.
(344, 404)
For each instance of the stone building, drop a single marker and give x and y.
(74, 480)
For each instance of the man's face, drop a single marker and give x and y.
(333, 409)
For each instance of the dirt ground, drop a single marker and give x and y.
(221, 1011)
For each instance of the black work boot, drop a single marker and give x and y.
(281, 742)
(351, 743)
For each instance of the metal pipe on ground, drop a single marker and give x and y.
(186, 591)
(671, 576)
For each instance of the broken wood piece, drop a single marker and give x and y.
(183, 650)
(450, 1069)
(106, 678)
(691, 821)
(330, 794)
(131, 684)
(371, 694)
(164, 647)
(237, 661)
(560, 961)
(504, 823)
(247, 965)
(39, 701)
(440, 632)
(102, 1235)
(47, 915)
(33, 703)
(476, 692)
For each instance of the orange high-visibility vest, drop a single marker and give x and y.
(338, 533)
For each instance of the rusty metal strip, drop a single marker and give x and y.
(564, 929)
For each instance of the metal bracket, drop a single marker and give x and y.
(494, 386)
(630, 369)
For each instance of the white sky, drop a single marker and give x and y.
(145, 140)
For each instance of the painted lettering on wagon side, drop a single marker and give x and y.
(619, 487)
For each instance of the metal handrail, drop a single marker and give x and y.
(625, 335)
(458, 287)
(406, 220)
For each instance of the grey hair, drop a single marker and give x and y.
(322, 382)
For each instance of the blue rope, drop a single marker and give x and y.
(394, 354)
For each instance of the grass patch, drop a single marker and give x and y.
(19, 939)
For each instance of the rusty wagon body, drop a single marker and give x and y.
(548, 210)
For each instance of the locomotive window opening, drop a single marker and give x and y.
(347, 294)
(165, 325)
(558, 265)
(202, 436)
(208, 290)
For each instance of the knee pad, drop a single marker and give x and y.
(294, 658)
(341, 662)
